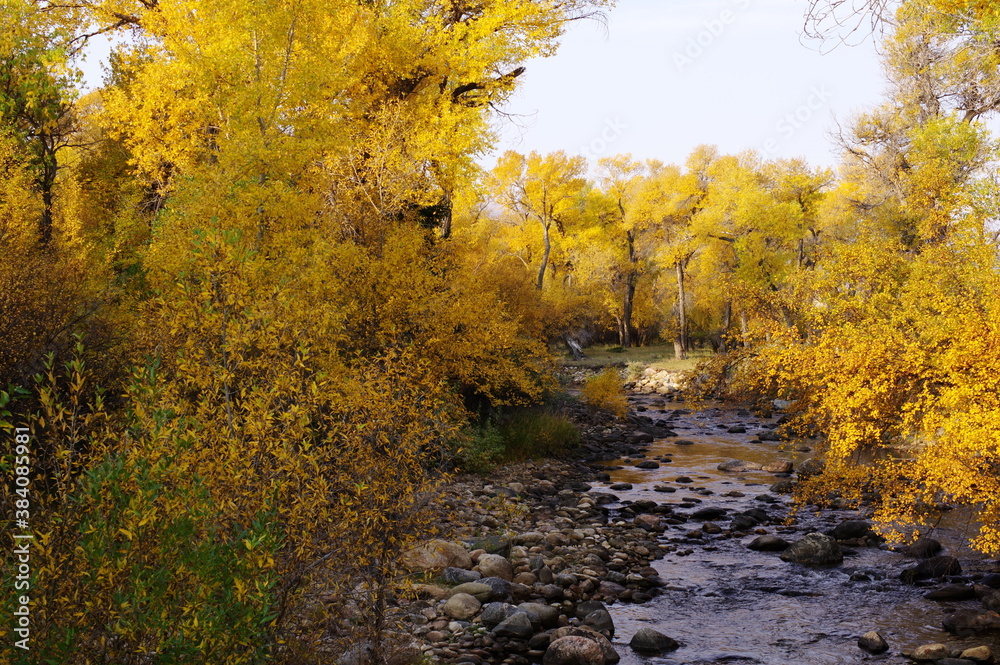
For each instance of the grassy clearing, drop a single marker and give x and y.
(659, 356)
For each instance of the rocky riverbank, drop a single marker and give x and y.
(541, 555)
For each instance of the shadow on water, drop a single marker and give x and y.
(727, 604)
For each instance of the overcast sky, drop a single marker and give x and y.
(663, 76)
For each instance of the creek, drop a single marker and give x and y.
(727, 604)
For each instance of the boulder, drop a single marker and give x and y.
(573, 650)
(435, 556)
(785, 486)
(779, 467)
(494, 565)
(649, 641)
(815, 549)
(872, 642)
(462, 606)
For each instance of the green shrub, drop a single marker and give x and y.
(532, 433)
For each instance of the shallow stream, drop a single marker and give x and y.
(727, 604)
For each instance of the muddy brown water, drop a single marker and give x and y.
(732, 605)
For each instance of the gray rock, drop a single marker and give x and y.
(649, 641)
(502, 589)
(588, 606)
(462, 606)
(453, 575)
(768, 543)
(516, 625)
(971, 622)
(815, 549)
(547, 615)
(872, 642)
(495, 613)
(930, 652)
(573, 650)
(601, 621)
(923, 548)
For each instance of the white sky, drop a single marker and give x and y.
(667, 75)
(663, 76)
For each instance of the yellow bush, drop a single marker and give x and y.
(606, 391)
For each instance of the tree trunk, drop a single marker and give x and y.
(46, 183)
(545, 257)
(681, 344)
(627, 334)
(727, 320)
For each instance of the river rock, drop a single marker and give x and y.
(462, 606)
(768, 543)
(495, 613)
(971, 622)
(477, 590)
(573, 650)
(648, 464)
(923, 548)
(503, 591)
(547, 615)
(953, 592)
(649, 641)
(601, 621)
(494, 565)
(453, 575)
(873, 642)
(784, 486)
(604, 644)
(781, 466)
(649, 522)
(737, 465)
(930, 652)
(516, 625)
(810, 467)
(851, 529)
(937, 566)
(980, 654)
(435, 556)
(815, 549)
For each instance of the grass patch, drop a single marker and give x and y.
(659, 356)
(516, 436)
